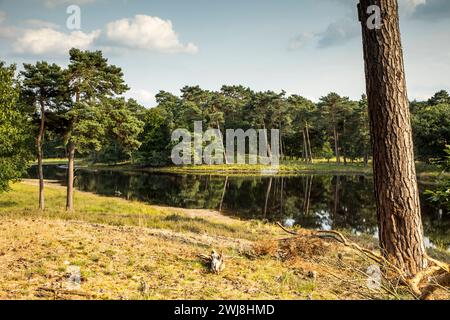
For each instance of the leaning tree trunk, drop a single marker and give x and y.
(40, 156)
(308, 140)
(70, 176)
(396, 191)
(305, 147)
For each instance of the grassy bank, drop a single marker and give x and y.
(319, 166)
(287, 167)
(131, 250)
(58, 161)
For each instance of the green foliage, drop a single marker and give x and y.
(123, 127)
(357, 138)
(236, 107)
(327, 152)
(14, 129)
(54, 145)
(95, 116)
(84, 107)
(155, 138)
(91, 77)
(342, 119)
(44, 83)
(441, 195)
(431, 128)
(440, 97)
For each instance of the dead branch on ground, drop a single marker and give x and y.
(215, 261)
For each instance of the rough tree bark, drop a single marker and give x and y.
(40, 156)
(396, 191)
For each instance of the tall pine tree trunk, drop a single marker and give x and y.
(308, 141)
(305, 147)
(281, 144)
(396, 191)
(336, 146)
(223, 143)
(269, 148)
(40, 156)
(70, 176)
(71, 167)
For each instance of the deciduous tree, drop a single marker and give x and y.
(15, 129)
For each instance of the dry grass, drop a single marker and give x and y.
(128, 250)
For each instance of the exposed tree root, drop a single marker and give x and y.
(422, 285)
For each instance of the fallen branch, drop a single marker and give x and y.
(215, 261)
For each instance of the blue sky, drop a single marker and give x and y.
(307, 47)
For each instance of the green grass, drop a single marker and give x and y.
(57, 161)
(120, 244)
(293, 167)
(22, 201)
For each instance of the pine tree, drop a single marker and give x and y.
(42, 88)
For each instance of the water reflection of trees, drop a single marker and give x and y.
(312, 201)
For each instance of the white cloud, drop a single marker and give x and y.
(144, 97)
(148, 33)
(338, 33)
(50, 41)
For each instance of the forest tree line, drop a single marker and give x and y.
(335, 127)
(81, 111)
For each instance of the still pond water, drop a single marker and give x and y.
(312, 201)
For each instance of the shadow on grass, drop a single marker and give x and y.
(191, 227)
(7, 204)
